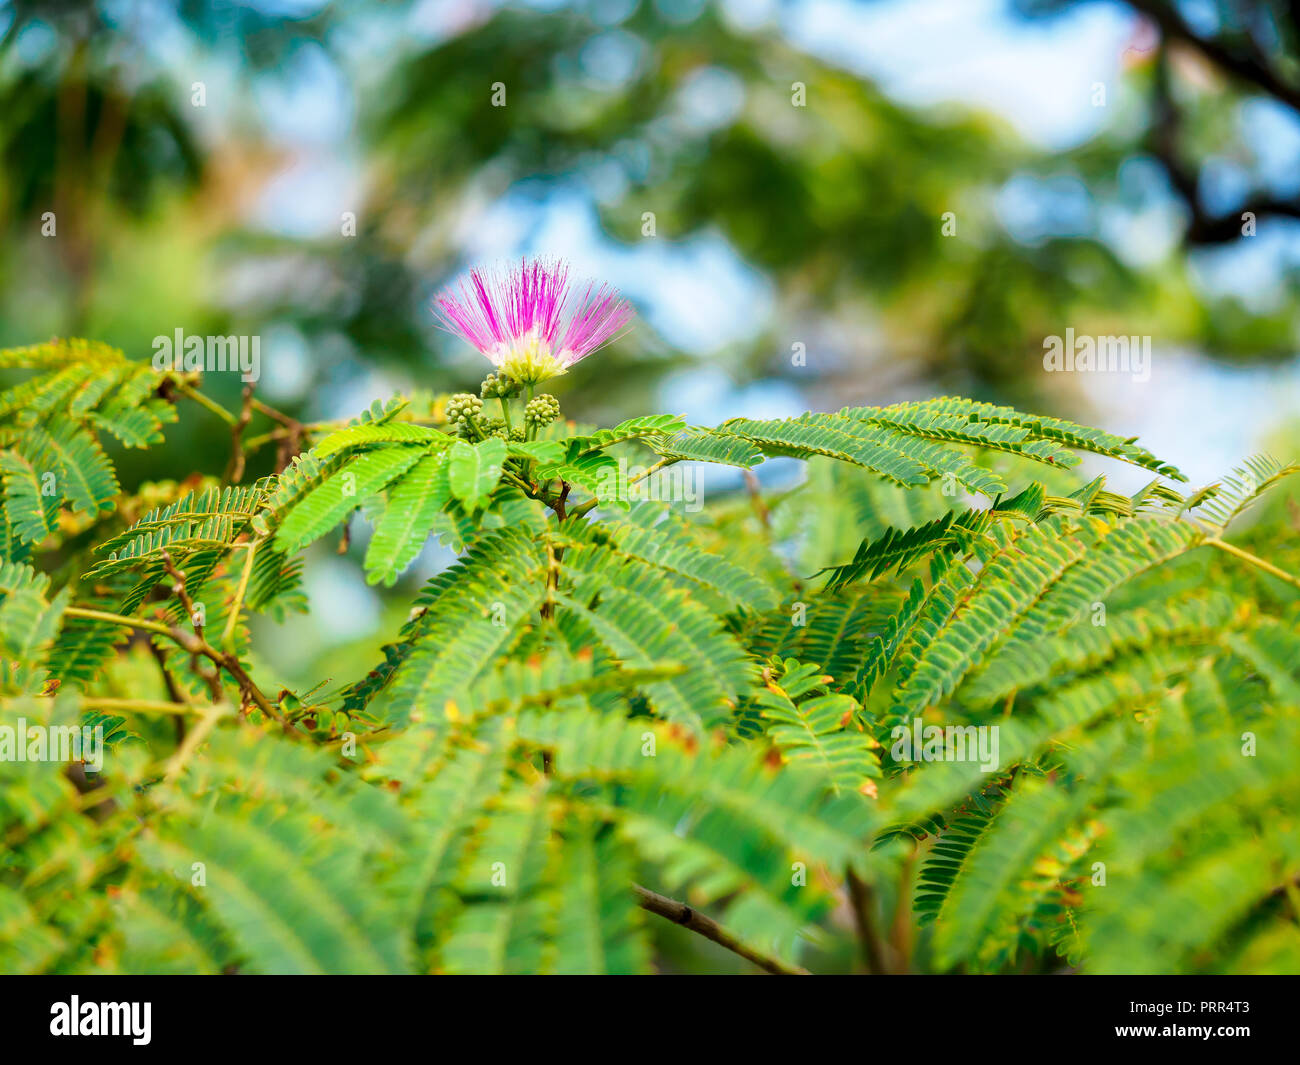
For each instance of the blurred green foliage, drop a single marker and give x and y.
(838, 204)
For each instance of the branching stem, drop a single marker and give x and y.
(196, 644)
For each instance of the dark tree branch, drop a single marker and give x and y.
(862, 902)
(235, 467)
(680, 913)
(1253, 69)
(1164, 143)
(173, 689)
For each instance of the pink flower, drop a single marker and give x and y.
(529, 323)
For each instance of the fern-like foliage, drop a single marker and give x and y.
(605, 698)
(50, 427)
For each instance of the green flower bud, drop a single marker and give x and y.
(542, 410)
(495, 387)
(463, 406)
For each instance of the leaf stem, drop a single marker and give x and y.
(196, 644)
(119, 619)
(203, 401)
(582, 509)
(140, 706)
(207, 722)
(228, 634)
(238, 458)
(1254, 560)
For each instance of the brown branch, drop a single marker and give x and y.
(862, 902)
(680, 913)
(901, 932)
(554, 555)
(235, 467)
(1202, 227)
(173, 689)
(288, 422)
(289, 446)
(197, 645)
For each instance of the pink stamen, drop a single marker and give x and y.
(531, 305)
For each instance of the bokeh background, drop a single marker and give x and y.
(203, 162)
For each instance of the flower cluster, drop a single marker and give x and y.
(462, 407)
(542, 410)
(529, 322)
(495, 387)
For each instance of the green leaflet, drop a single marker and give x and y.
(596, 473)
(547, 452)
(993, 877)
(898, 549)
(83, 476)
(810, 726)
(719, 822)
(598, 927)
(412, 508)
(650, 426)
(472, 613)
(473, 470)
(704, 445)
(52, 420)
(1039, 582)
(29, 511)
(388, 432)
(1223, 503)
(28, 624)
(325, 506)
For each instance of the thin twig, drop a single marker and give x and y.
(1249, 69)
(553, 556)
(277, 415)
(901, 933)
(650, 471)
(203, 401)
(287, 448)
(680, 913)
(141, 706)
(235, 467)
(173, 689)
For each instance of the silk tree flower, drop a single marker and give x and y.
(530, 323)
